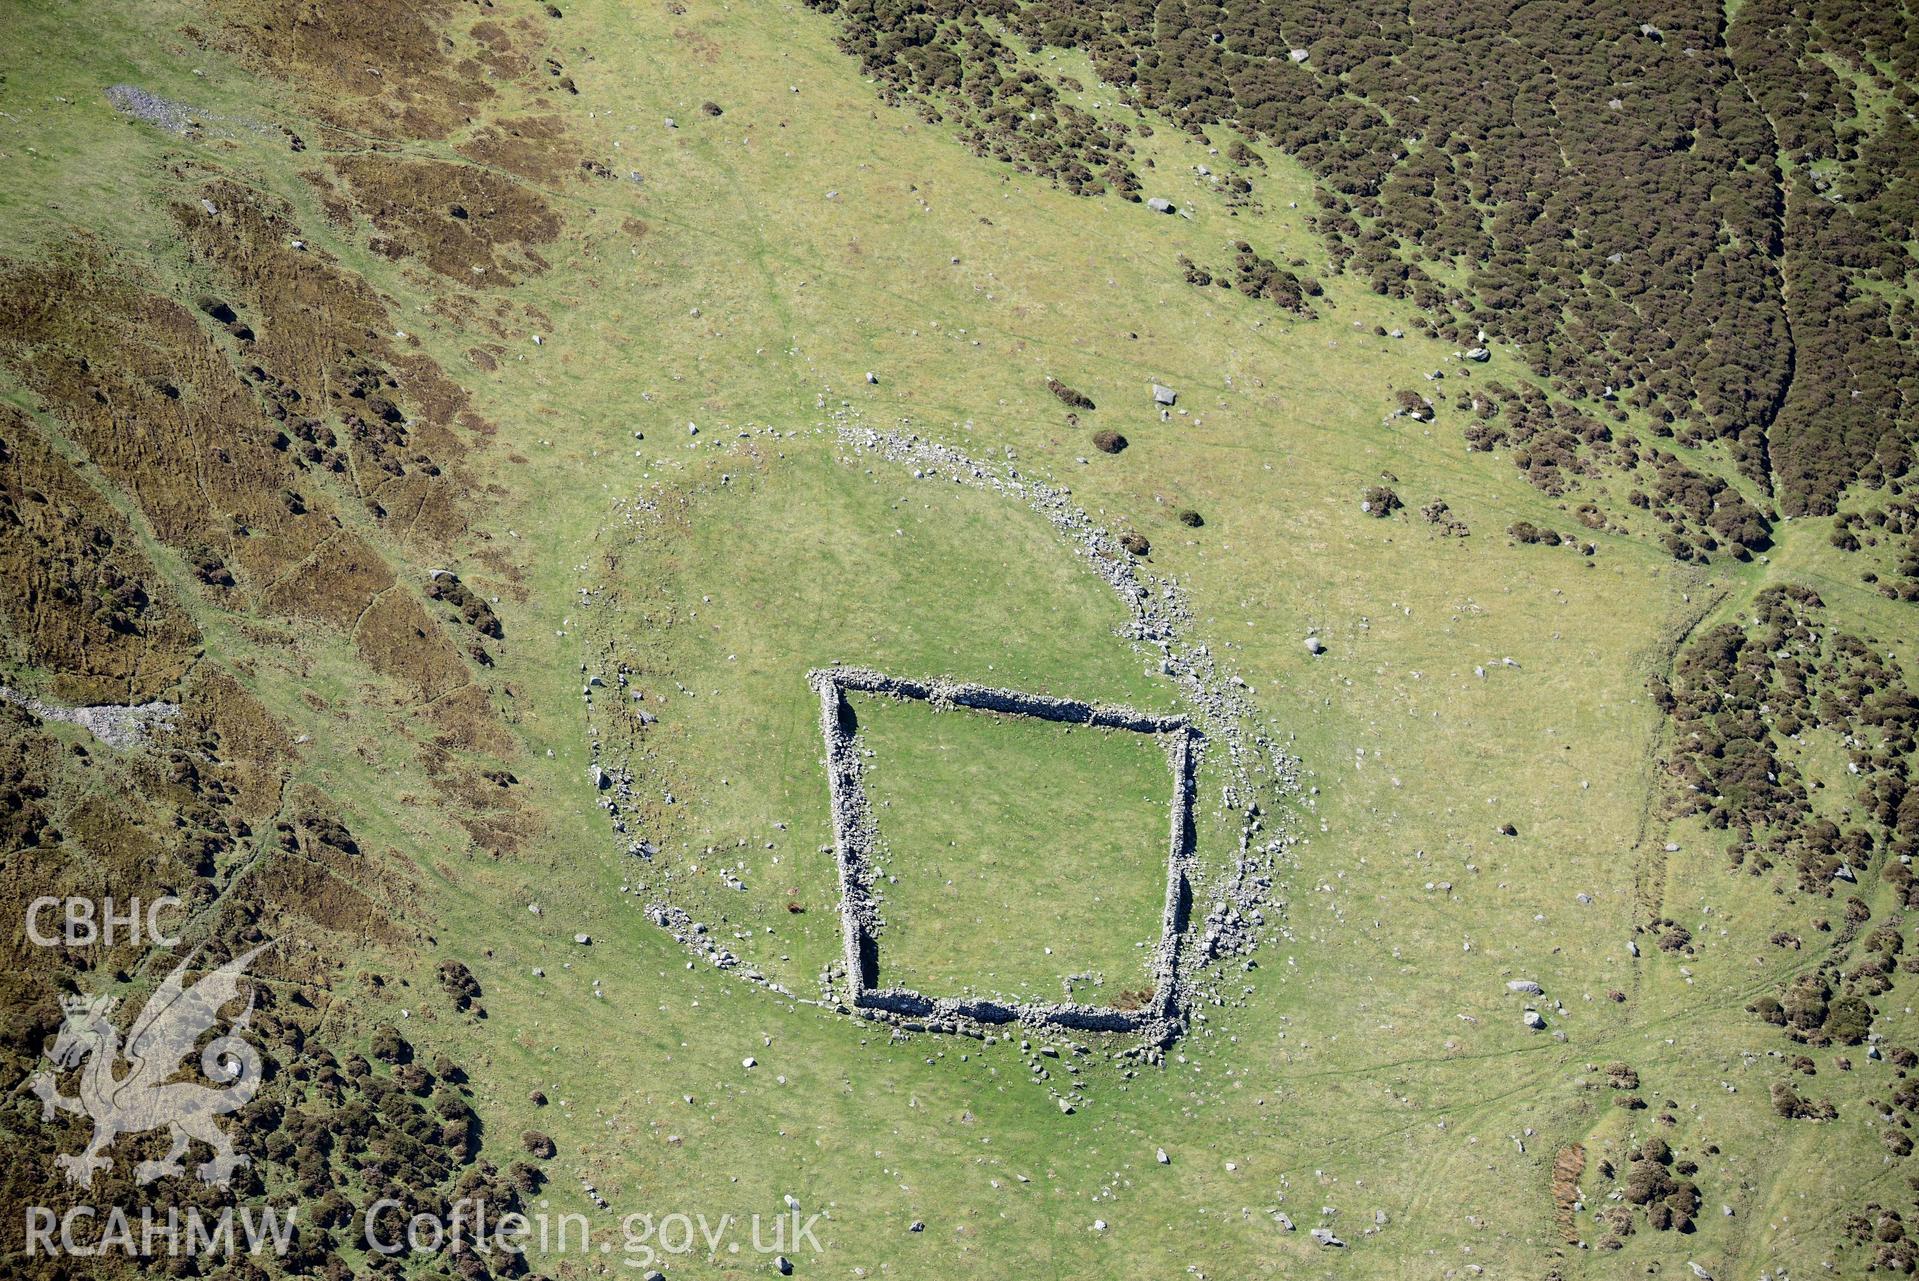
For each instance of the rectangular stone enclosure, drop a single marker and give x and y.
(854, 835)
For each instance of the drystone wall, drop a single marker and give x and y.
(854, 838)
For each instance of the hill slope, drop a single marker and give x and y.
(454, 432)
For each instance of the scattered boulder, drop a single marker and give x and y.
(1314, 645)
(1160, 204)
(1164, 395)
(1524, 531)
(1437, 513)
(1326, 1238)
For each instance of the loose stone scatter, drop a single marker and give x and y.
(111, 723)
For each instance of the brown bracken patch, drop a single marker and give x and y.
(1568, 1164)
(531, 147)
(83, 601)
(469, 224)
(376, 66)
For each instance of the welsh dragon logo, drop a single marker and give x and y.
(127, 1089)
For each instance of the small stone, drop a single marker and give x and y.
(749, 1062)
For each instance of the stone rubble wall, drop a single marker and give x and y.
(113, 724)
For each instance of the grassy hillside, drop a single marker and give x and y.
(617, 377)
